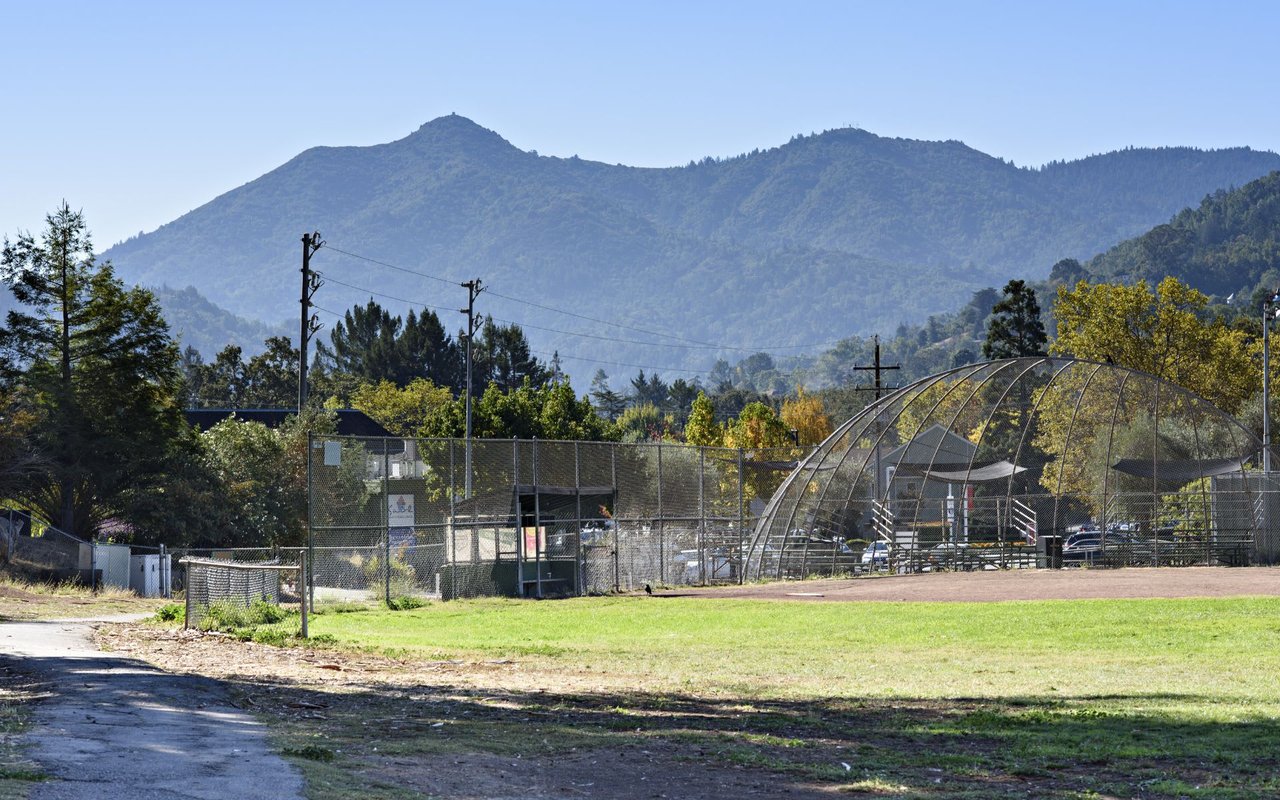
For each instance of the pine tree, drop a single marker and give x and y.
(102, 370)
(1015, 328)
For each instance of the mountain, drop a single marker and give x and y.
(196, 322)
(1228, 244)
(829, 235)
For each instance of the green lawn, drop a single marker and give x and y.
(1072, 699)
(1227, 648)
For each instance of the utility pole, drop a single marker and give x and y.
(473, 291)
(308, 324)
(878, 388)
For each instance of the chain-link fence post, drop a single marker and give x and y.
(452, 554)
(308, 585)
(537, 525)
(613, 472)
(702, 516)
(580, 557)
(519, 512)
(302, 591)
(662, 555)
(742, 510)
(386, 522)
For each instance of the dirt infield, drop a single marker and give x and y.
(1006, 585)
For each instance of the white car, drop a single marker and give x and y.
(876, 554)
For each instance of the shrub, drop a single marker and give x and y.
(404, 578)
(172, 612)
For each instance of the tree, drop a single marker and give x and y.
(1015, 328)
(99, 364)
(757, 427)
(702, 428)
(806, 416)
(364, 343)
(1163, 333)
(20, 458)
(424, 350)
(643, 423)
(680, 395)
(502, 358)
(651, 391)
(271, 378)
(609, 404)
(420, 409)
(220, 384)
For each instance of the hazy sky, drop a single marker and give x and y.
(138, 112)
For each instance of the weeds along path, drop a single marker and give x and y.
(116, 727)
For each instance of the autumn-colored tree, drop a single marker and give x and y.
(420, 409)
(757, 426)
(1088, 418)
(702, 429)
(1164, 333)
(807, 417)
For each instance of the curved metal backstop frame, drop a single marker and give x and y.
(1002, 463)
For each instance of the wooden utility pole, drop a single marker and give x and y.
(308, 324)
(473, 291)
(878, 388)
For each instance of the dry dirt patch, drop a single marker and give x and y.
(390, 728)
(1005, 585)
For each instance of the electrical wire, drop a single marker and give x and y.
(547, 355)
(598, 336)
(688, 342)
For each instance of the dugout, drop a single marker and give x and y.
(530, 541)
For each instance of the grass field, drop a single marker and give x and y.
(22, 599)
(1072, 699)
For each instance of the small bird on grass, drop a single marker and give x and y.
(648, 589)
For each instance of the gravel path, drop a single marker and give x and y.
(1020, 584)
(118, 728)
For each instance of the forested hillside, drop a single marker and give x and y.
(1229, 244)
(829, 235)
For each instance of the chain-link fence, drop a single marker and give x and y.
(436, 517)
(262, 600)
(1022, 463)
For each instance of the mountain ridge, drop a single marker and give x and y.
(828, 235)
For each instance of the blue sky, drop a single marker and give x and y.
(138, 112)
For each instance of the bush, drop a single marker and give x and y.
(172, 612)
(404, 578)
(229, 616)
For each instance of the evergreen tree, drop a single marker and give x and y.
(502, 358)
(424, 350)
(364, 343)
(1015, 328)
(609, 404)
(649, 391)
(102, 370)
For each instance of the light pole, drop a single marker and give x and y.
(1268, 314)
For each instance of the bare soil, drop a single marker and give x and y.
(1019, 584)
(387, 727)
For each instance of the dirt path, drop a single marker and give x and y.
(1018, 584)
(117, 727)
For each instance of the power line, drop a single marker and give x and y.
(576, 358)
(655, 370)
(598, 336)
(688, 342)
(393, 266)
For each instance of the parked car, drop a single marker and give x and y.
(876, 554)
(1088, 546)
(717, 561)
